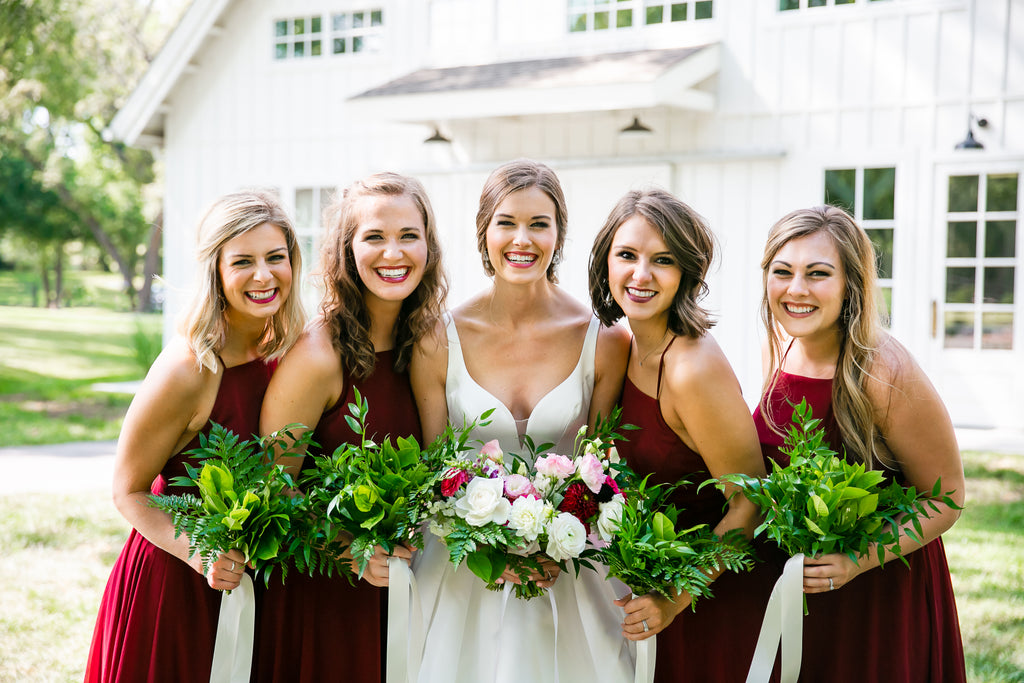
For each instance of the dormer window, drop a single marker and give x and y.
(605, 15)
(339, 33)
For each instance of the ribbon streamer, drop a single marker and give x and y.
(405, 629)
(783, 622)
(646, 658)
(232, 650)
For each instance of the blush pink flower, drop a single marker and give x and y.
(492, 451)
(556, 466)
(591, 472)
(516, 486)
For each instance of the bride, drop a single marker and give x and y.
(534, 354)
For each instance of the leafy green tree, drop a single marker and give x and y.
(65, 67)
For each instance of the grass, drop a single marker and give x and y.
(52, 358)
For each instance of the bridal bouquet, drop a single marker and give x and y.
(367, 494)
(495, 516)
(647, 553)
(820, 504)
(241, 500)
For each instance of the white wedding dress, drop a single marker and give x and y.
(571, 634)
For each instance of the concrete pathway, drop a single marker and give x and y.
(90, 465)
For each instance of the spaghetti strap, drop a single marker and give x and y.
(661, 365)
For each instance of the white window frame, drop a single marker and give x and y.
(589, 9)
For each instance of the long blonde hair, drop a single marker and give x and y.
(343, 307)
(859, 323)
(204, 324)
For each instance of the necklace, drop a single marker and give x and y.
(642, 359)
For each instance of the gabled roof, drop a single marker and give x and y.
(601, 82)
(140, 120)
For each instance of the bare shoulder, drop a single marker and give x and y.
(176, 372)
(895, 371)
(434, 342)
(695, 365)
(613, 340)
(314, 348)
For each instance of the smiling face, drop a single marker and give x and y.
(256, 272)
(643, 276)
(389, 246)
(522, 236)
(806, 286)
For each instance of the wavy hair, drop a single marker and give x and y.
(689, 240)
(859, 322)
(343, 307)
(514, 176)
(204, 324)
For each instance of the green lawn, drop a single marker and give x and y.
(52, 358)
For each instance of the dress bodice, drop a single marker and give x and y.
(556, 418)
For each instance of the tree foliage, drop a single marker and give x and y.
(65, 68)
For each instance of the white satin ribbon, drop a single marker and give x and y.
(405, 624)
(646, 658)
(232, 650)
(783, 622)
(554, 617)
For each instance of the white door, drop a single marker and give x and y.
(978, 316)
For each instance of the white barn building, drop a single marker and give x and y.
(754, 108)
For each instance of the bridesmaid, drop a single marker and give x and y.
(825, 342)
(648, 264)
(384, 287)
(528, 349)
(158, 617)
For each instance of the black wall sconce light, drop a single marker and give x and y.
(969, 142)
(636, 128)
(437, 137)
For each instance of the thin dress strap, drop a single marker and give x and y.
(661, 365)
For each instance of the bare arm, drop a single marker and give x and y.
(307, 383)
(918, 434)
(172, 405)
(428, 374)
(609, 371)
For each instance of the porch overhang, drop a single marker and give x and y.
(604, 82)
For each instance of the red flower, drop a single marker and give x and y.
(453, 482)
(580, 501)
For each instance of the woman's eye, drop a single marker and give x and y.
(625, 255)
(819, 273)
(241, 263)
(541, 225)
(410, 237)
(664, 261)
(781, 272)
(277, 258)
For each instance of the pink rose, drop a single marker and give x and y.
(591, 472)
(557, 466)
(517, 486)
(492, 451)
(453, 481)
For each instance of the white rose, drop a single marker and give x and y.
(610, 519)
(543, 484)
(566, 537)
(484, 502)
(528, 516)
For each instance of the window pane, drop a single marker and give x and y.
(624, 18)
(573, 4)
(281, 51)
(340, 22)
(314, 25)
(314, 48)
(845, 2)
(997, 330)
(281, 28)
(300, 27)
(879, 193)
(1000, 239)
(678, 11)
(786, 5)
(577, 23)
(357, 43)
(998, 285)
(357, 19)
(882, 239)
(963, 193)
(885, 306)
(377, 18)
(304, 208)
(840, 188)
(299, 50)
(962, 239)
(1002, 192)
(959, 285)
(339, 46)
(655, 15)
(600, 21)
(959, 330)
(816, 3)
(703, 10)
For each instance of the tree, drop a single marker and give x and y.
(66, 67)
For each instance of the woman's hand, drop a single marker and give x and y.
(543, 579)
(650, 614)
(377, 573)
(226, 573)
(830, 572)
